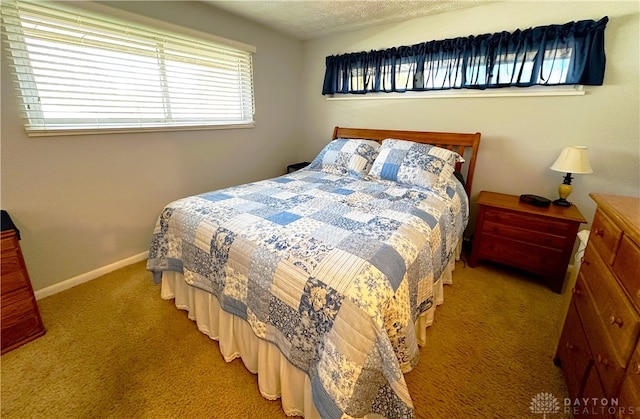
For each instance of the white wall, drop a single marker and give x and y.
(84, 202)
(521, 137)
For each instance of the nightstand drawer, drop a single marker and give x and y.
(537, 259)
(627, 267)
(20, 323)
(527, 236)
(9, 298)
(620, 320)
(528, 222)
(11, 274)
(8, 243)
(605, 236)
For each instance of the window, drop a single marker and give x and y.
(79, 71)
(568, 54)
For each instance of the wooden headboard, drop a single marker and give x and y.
(464, 144)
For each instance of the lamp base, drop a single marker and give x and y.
(562, 202)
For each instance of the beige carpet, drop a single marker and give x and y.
(114, 349)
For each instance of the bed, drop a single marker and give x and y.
(323, 281)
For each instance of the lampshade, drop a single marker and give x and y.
(573, 159)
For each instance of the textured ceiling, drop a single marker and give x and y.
(307, 19)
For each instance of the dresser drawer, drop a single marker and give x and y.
(629, 396)
(627, 268)
(621, 321)
(591, 399)
(528, 222)
(605, 236)
(573, 352)
(607, 360)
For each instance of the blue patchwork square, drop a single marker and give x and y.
(283, 180)
(215, 196)
(425, 216)
(343, 191)
(389, 171)
(283, 218)
(391, 264)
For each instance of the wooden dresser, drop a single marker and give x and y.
(535, 239)
(21, 322)
(598, 349)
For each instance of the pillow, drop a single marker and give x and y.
(346, 157)
(412, 163)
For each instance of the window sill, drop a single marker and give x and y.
(130, 130)
(577, 90)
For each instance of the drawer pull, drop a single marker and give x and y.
(615, 320)
(599, 232)
(601, 360)
(636, 368)
(576, 291)
(569, 346)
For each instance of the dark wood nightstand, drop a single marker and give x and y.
(21, 322)
(536, 239)
(297, 166)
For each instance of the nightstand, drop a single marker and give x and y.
(535, 239)
(297, 166)
(21, 322)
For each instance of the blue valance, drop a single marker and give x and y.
(572, 53)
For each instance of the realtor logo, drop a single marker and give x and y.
(544, 403)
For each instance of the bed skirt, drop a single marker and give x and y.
(277, 377)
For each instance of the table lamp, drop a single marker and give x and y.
(572, 159)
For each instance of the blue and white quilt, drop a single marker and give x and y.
(332, 269)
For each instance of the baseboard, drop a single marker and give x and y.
(86, 277)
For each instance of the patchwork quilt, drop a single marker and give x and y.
(332, 269)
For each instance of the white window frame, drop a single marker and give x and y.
(194, 53)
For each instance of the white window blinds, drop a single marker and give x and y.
(77, 70)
